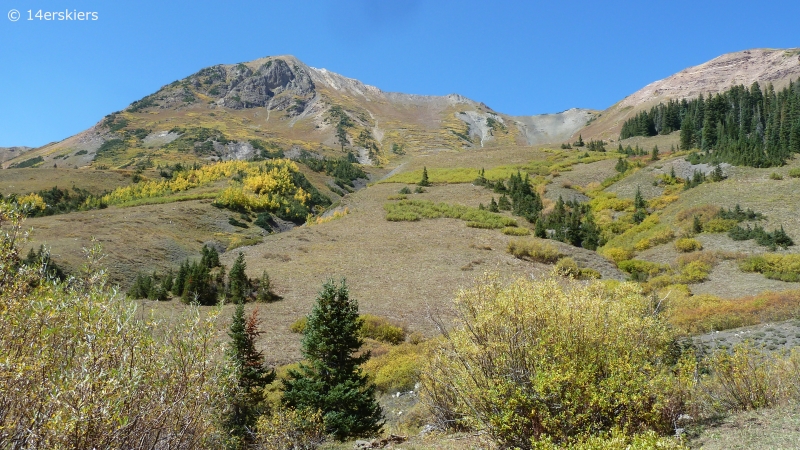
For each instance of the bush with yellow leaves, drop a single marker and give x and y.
(553, 361)
(80, 368)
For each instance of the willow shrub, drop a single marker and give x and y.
(554, 361)
(80, 368)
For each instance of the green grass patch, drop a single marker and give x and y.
(414, 210)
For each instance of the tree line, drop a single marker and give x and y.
(757, 127)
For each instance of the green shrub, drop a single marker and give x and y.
(567, 267)
(83, 369)
(640, 268)
(588, 359)
(299, 325)
(537, 250)
(290, 428)
(775, 176)
(687, 245)
(405, 190)
(744, 378)
(516, 231)
(774, 266)
(694, 272)
(590, 274)
(616, 254)
(795, 172)
(719, 225)
(380, 329)
(397, 370)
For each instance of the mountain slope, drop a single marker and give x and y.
(236, 111)
(764, 66)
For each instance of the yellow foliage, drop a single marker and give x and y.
(32, 202)
(264, 185)
(535, 249)
(718, 225)
(396, 370)
(663, 201)
(552, 360)
(616, 254)
(81, 368)
(688, 245)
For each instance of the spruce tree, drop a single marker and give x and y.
(332, 381)
(264, 292)
(179, 286)
(245, 400)
(503, 204)
(493, 207)
(424, 181)
(640, 207)
(238, 284)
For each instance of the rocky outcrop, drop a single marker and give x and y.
(550, 128)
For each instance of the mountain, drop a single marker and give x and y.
(763, 66)
(235, 111)
(7, 153)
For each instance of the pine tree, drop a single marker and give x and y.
(493, 207)
(503, 204)
(424, 181)
(639, 206)
(622, 165)
(179, 286)
(264, 292)
(245, 401)
(333, 381)
(199, 286)
(238, 284)
(654, 154)
(210, 257)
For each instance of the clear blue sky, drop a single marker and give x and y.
(519, 57)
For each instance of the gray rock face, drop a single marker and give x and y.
(550, 128)
(272, 79)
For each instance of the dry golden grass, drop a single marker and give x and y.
(25, 181)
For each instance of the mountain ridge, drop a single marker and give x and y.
(285, 103)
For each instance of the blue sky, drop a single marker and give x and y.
(58, 78)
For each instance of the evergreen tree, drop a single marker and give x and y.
(424, 181)
(178, 287)
(199, 286)
(333, 381)
(654, 154)
(622, 165)
(238, 284)
(640, 207)
(493, 207)
(503, 204)
(697, 226)
(264, 292)
(245, 401)
(210, 257)
(540, 230)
